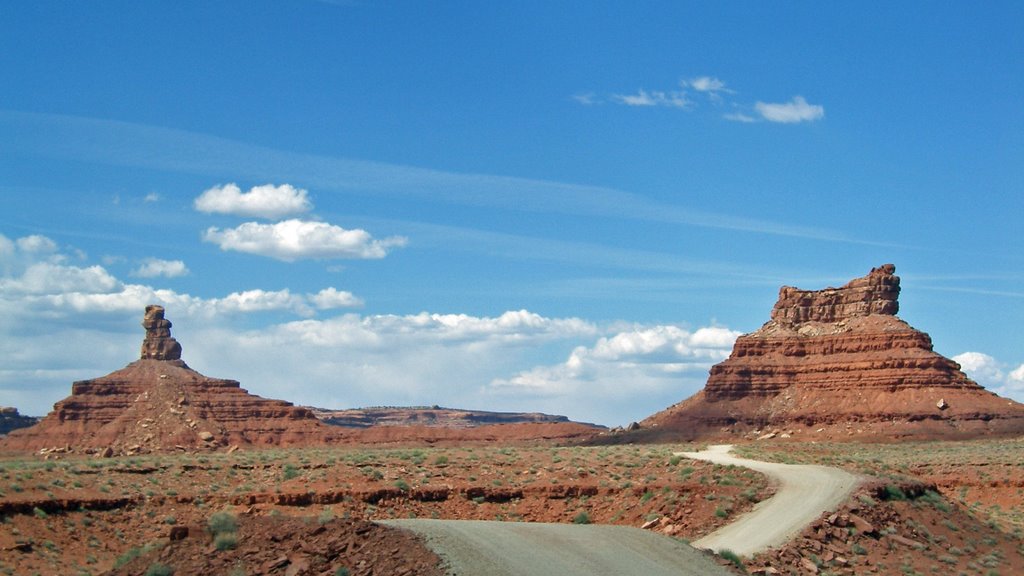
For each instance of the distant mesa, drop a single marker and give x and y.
(10, 420)
(158, 403)
(838, 363)
(428, 416)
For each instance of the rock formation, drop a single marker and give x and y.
(158, 403)
(158, 343)
(431, 416)
(10, 419)
(839, 362)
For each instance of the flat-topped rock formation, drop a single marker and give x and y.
(429, 416)
(837, 363)
(10, 419)
(158, 403)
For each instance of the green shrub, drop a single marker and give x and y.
(221, 523)
(225, 541)
(581, 518)
(731, 557)
(158, 569)
(290, 471)
(892, 492)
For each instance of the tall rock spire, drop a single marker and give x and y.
(158, 344)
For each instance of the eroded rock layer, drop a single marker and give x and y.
(429, 416)
(158, 403)
(839, 361)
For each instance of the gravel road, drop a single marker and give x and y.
(476, 547)
(804, 493)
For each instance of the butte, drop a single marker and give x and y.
(159, 404)
(837, 364)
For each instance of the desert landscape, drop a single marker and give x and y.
(157, 469)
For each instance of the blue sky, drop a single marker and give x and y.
(557, 206)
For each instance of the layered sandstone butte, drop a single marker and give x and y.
(158, 403)
(838, 362)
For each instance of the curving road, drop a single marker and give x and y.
(474, 547)
(804, 493)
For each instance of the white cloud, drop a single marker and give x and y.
(654, 98)
(739, 117)
(666, 363)
(151, 197)
(796, 110)
(292, 240)
(993, 374)
(36, 244)
(708, 84)
(267, 201)
(587, 98)
(50, 278)
(154, 267)
(1017, 375)
(979, 366)
(6, 247)
(49, 288)
(330, 298)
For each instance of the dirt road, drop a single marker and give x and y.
(474, 547)
(804, 492)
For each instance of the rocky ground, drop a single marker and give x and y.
(932, 508)
(82, 515)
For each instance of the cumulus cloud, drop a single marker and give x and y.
(43, 285)
(666, 363)
(51, 278)
(155, 267)
(993, 374)
(796, 110)
(330, 298)
(654, 98)
(151, 197)
(36, 244)
(267, 201)
(292, 240)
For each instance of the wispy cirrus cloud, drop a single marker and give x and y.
(653, 98)
(154, 267)
(170, 149)
(795, 111)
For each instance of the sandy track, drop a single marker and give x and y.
(804, 493)
(474, 547)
